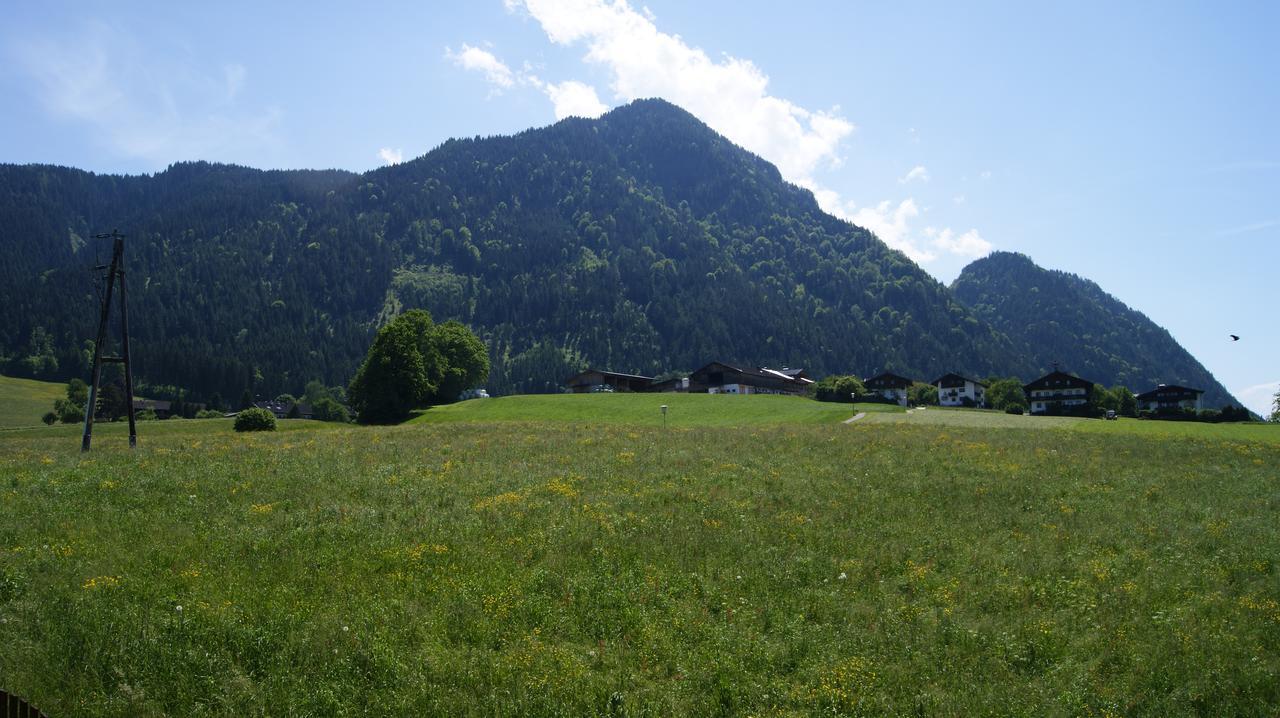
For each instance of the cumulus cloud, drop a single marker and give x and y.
(495, 71)
(573, 98)
(969, 244)
(1259, 396)
(730, 94)
(390, 156)
(917, 173)
(892, 224)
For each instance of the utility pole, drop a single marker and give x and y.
(114, 271)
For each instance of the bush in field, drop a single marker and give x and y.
(327, 409)
(146, 415)
(50, 418)
(838, 388)
(921, 394)
(255, 420)
(209, 414)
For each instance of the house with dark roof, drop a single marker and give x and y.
(596, 380)
(956, 390)
(1170, 396)
(889, 386)
(721, 378)
(1057, 393)
(282, 409)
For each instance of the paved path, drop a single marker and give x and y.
(855, 417)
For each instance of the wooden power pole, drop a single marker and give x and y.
(114, 271)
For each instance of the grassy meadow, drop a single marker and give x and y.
(782, 564)
(24, 401)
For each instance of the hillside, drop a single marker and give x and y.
(642, 241)
(24, 401)
(1053, 316)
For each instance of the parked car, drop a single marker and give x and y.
(1111, 414)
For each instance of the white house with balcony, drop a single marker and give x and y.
(1057, 392)
(956, 390)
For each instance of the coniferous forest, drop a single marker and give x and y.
(641, 242)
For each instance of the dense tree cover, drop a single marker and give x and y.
(414, 362)
(1053, 316)
(639, 241)
(1005, 393)
(922, 394)
(837, 388)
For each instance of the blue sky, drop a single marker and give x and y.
(1134, 145)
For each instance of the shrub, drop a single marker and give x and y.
(49, 418)
(209, 414)
(145, 415)
(255, 420)
(1014, 410)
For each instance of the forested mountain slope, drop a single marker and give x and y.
(1054, 316)
(641, 241)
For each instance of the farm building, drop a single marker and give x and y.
(890, 386)
(1057, 391)
(282, 409)
(721, 378)
(593, 380)
(1170, 396)
(162, 408)
(956, 390)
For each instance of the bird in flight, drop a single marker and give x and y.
(1234, 338)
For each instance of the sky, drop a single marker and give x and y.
(1135, 145)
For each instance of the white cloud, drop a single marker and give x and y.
(892, 225)
(917, 173)
(970, 244)
(1259, 396)
(159, 112)
(985, 174)
(390, 156)
(959, 200)
(573, 98)
(495, 71)
(730, 94)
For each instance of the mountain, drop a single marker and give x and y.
(641, 241)
(1053, 316)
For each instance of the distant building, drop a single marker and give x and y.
(955, 390)
(282, 409)
(594, 380)
(677, 384)
(721, 378)
(1057, 392)
(889, 386)
(1170, 396)
(163, 409)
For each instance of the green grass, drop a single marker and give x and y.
(684, 410)
(563, 568)
(24, 401)
(933, 416)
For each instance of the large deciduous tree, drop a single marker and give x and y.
(413, 363)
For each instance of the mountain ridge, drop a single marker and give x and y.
(642, 241)
(1055, 316)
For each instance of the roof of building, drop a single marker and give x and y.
(1058, 380)
(1168, 390)
(609, 374)
(953, 379)
(776, 375)
(888, 380)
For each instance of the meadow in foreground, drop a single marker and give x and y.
(559, 568)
